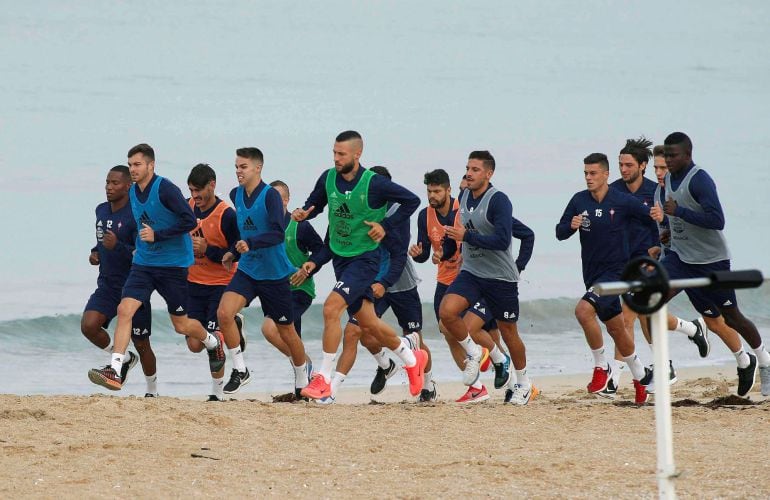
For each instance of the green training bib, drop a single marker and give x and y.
(297, 257)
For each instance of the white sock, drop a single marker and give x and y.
(636, 366)
(337, 381)
(382, 359)
(497, 355)
(763, 358)
(210, 341)
(651, 348)
(237, 356)
(742, 358)
(599, 359)
(300, 375)
(414, 340)
(117, 362)
(522, 378)
(108, 349)
(406, 354)
(218, 387)
(428, 376)
(152, 383)
(471, 348)
(686, 327)
(327, 365)
(477, 384)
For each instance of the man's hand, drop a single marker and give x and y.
(456, 233)
(109, 240)
(665, 236)
(656, 213)
(437, 255)
(415, 250)
(302, 274)
(146, 233)
(227, 260)
(576, 222)
(299, 214)
(670, 206)
(377, 232)
(199, 246)
(654, 252)
(378, 290)
(242, 247)
(93, 259)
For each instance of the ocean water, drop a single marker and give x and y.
(539, 85)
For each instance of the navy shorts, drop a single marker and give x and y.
(274, 295)
(355, 276)
(481, 310)
(437, 296)
(406, 307)
(170, 283)
(706, 301)
(202, 304)
(606, 306)
(501, 297)
(300, 302)
(105, 300)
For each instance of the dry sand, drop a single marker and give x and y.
(565, 443)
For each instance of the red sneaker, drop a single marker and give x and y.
(416, 373)
(474, 395)
(599, 380)
(641, 395)
(486, 361)
(318, 388)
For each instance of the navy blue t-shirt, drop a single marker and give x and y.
(640, 237)
(115, 264)
(604, 232)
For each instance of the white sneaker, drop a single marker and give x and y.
(764, 379)
(523, 394)
(328, 400)
(472, 368)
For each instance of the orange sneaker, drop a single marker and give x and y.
(474, 395)
(105, 377)
(416, 373)
(318, 388)
(486, 361)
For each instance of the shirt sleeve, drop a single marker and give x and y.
(526, 236)
(397, 244)
(422, 236)
(703, 191)
(308, 239)
(171, 198)
(563, 229)
(641, 212)
(317, 197)
(276, 222)
(323, 255)
(382, 190)
(499, 213)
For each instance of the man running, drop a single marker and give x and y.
(115, 238)
(216, 231)
(602, 214)
(488, 272)
(699, 248)
(163, 254)
(263, 269)
(357, 201)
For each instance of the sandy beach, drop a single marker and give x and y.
(566, 443)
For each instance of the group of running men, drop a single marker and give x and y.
(209, 260)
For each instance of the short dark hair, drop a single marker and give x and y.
(437, 177)
(639, 149)
(251, 154)
(280, 184)
(143, 148)
(348, 135)
(200, 175)
(380, 170)
(659, 150)
(679, 138)
(123, 170)
(484, 156)
(599, 158)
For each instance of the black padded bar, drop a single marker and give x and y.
(750, 278)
